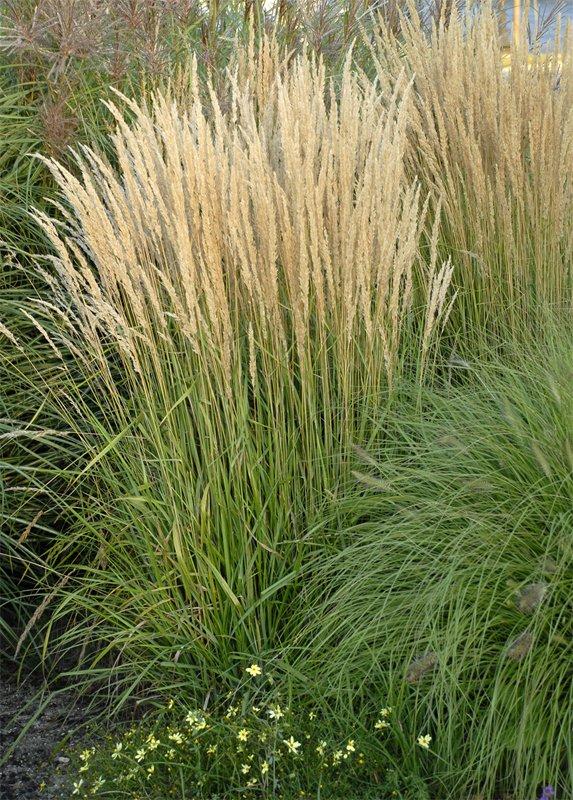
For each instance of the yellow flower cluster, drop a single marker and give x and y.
(292, 745)
(196, 721)
(257, 741)
(382, 721)
(276, 712)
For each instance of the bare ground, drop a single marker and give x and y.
(35, 766)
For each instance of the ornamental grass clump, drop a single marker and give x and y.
(493, 146)
(230, 304)
(448, 592)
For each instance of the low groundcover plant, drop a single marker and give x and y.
(254, 745)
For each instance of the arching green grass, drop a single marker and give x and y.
(449, 597)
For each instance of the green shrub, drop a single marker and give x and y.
(449, 592)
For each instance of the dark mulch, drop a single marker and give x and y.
(45, 725)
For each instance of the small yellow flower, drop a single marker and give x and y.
(245, 768)
(292, 745)
(140, 755)
(424, 741)
(152, 742)
(176, 737)
(350, 747)
(243, 735)
(78, 786)
(275, 712)
(264, 768)
(171, 753)
(380, 724)
(42, 786)
(150, 771)
(170, 703)
(231, 712)
(312, 715)
(321, 748)
(256, 709)
(254, 670)
(84, 755)
(212, 749)
(117, 751)
(196, 720)
(337, 757)
(385, 712)
(251, 782)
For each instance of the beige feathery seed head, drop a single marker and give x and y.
(531, 597)
(495, 149)
(519, 647)
(287, 215)
(10, 336)
(421, 666)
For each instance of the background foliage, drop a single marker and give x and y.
(178, 432)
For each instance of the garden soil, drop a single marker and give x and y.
(35, 766)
